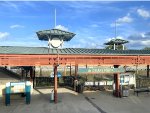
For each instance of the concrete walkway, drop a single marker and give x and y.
(71, 102)
(68, 102)
(111, 104)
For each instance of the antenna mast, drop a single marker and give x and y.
(115, 34)
(115, 29)
(55, 18)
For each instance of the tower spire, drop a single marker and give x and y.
(115, 29)
(55, 19)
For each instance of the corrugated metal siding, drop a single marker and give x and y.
(79, 51)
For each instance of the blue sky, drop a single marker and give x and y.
(92, 22)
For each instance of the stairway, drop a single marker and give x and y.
(8, 75)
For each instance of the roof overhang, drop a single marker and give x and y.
(53, 33)
(116, 41)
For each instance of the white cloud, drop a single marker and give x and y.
(91, 38)
(118, 37)
(16, 26)
(61, 27)
(139, 43)
(4, 35)
(122, 20)
(143, 13)
(140, 36)
(115, 24)
(95, 25)
(146, 42)
(139, 40)
(11, 4)
(125, 19)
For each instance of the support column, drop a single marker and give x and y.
(26, 73)
(31, 73)
(114, 47)
(117, 83)
(76, 71)
(137, 69)
(33, 77)
(122, 47)
(125, 67)
(22, 73)
(86, 66)
(55, 84)
(147, 71)
(64, 70)
(40, 71)
(70, 69)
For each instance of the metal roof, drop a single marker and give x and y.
(116, 41)
(46, 34)
(71, 51)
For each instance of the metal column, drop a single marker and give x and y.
(40, 71)
(22, 73)
(117, 83)
(70, 69)
(64, 70)
(33, 77)
(76, 71)
(31, 74)
(55, 84)
(26, 73)
(86, 66)
(147, 71)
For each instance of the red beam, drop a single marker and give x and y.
(39, 60)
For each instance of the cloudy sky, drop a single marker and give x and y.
(92, 22)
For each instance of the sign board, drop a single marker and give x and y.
(100, 83)
(17, 87)
(127, 79)
(58, 74)
(101, 70)
(121, 79)
(88, 83)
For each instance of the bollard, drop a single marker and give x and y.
(27, 91)
(7, 94)
(52, 96)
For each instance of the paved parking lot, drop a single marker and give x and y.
(131, 104)
(71, 102)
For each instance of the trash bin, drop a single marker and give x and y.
(114, 89)
(7, 94)
(28, 92)
(75, 85)
(52, 95)
(77, 88)
(80, 88)
(125, 93)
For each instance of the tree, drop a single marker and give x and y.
(146, 48)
